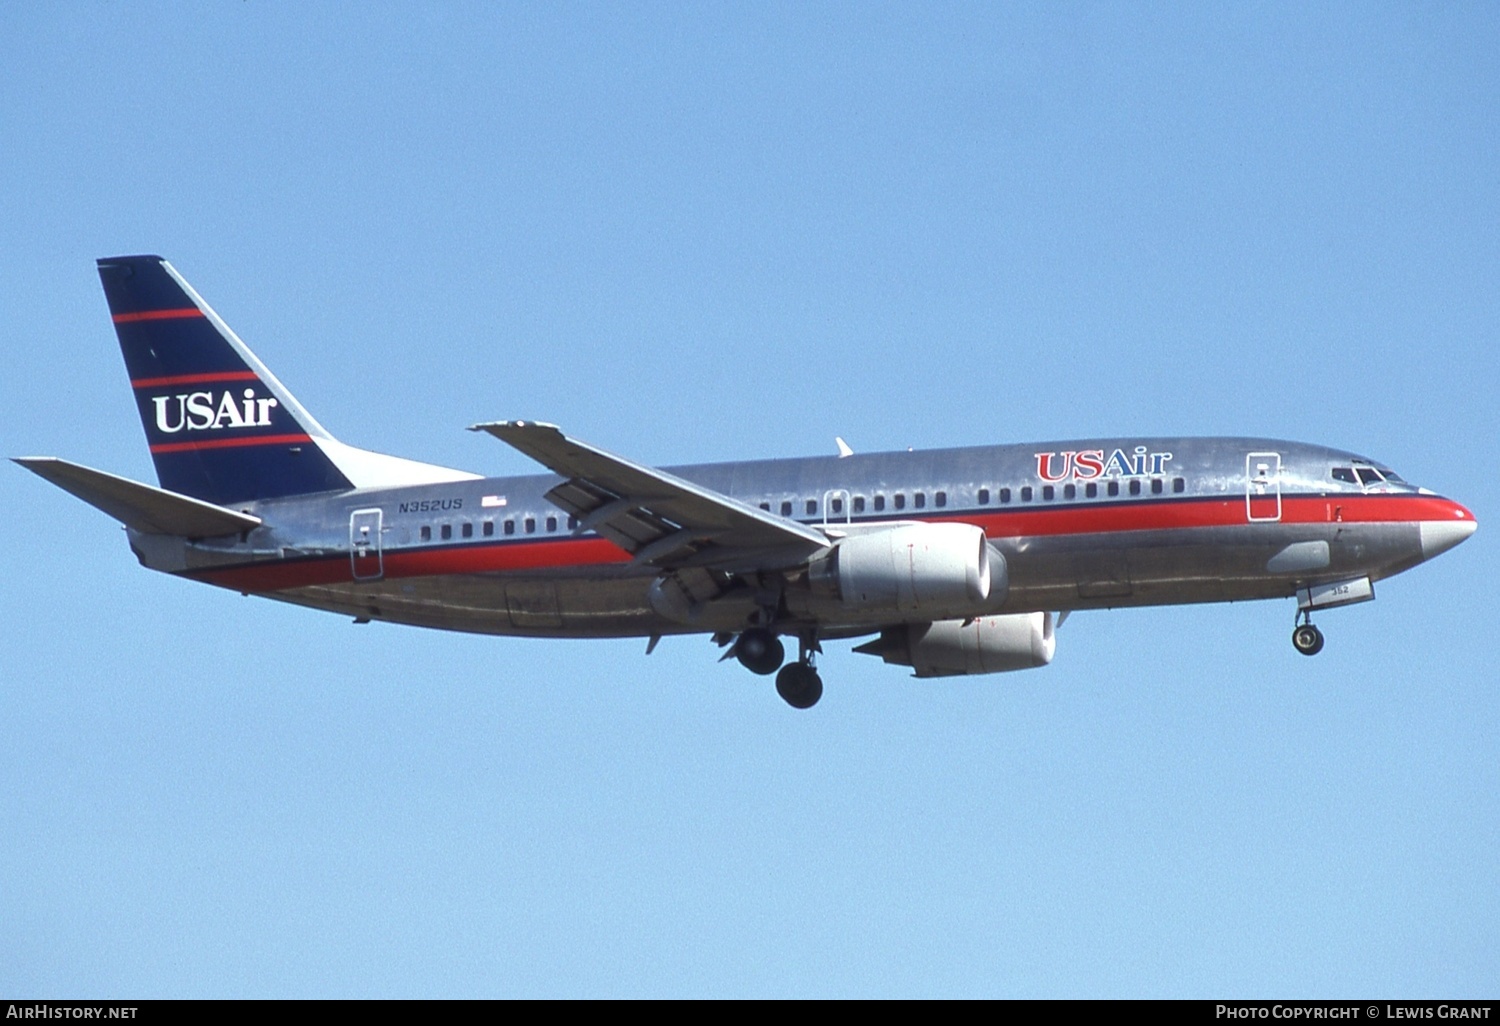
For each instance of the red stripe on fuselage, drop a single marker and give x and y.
(1100, 519)
(460, 559)
(230, 443)
(1158, 515)
(195, 379)
(157, 315)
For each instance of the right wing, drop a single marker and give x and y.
(660, 519)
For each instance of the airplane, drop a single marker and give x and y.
(952, 561)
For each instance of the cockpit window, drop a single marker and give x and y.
(1344, 474)
(1391, 475)
(1369, 475)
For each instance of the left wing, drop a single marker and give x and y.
(658, 518)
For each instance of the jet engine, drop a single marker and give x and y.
(911, 571)
(985, 644)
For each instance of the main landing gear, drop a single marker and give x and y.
(798, 683)
(760, 651)
(1306, 638)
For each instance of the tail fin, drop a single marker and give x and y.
(220, 426)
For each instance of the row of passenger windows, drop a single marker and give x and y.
(1090, 490)
(836, 503)
(984, 495)
(528, 525)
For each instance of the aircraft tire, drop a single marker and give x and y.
(760, 651)
(1307, 639)
(799, 685)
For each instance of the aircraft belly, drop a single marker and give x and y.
(489, 604)
(1219, 564)
(1046, 572)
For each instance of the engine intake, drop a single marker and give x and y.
(985, 644)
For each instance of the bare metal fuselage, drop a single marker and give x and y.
(1217, 520)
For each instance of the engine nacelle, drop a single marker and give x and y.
(911, 571)
(985, 644)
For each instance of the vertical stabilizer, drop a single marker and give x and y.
(220, 426)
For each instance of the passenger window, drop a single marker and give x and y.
(837, 505)
(489, 528)
(447, 531)
(984, 496)
(919, 500)
(1179, 485)
(1091, 490)
(1005, 495)
(1135, 486)
(467, 530)
(900, 501)
(551, 524)
(766, 506)
(1048, 493)
(879, 503)
(940, 499)
(510, 527)
(1157, 486)
(531, 525)
(1113, 489)
(812, 506)
(859, 504)
(1344, 474)
(426, 532)
(1026, 494)
(786, 509)
(1070, 491)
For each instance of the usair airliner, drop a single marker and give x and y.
(950, 561)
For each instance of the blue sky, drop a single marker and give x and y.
(701, 232)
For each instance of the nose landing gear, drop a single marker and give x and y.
(1306, 638)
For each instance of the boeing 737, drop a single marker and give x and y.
(951, 561)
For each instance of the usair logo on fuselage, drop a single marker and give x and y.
(1088, 464)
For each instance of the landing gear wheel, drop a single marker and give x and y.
(1307, 639)
(799, 685)
(759, 651)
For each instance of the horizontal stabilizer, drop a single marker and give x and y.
(140, 506)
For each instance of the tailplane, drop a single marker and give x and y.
(221, 427)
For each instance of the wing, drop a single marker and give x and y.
(660, 519)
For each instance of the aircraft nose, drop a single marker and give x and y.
(1441, 535)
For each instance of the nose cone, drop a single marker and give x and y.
(1441, 535)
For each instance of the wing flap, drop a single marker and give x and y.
(140, 506)
(661, 519)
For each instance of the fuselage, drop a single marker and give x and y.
(1080, 524)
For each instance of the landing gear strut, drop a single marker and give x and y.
(1306, 638)
(798, 683)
